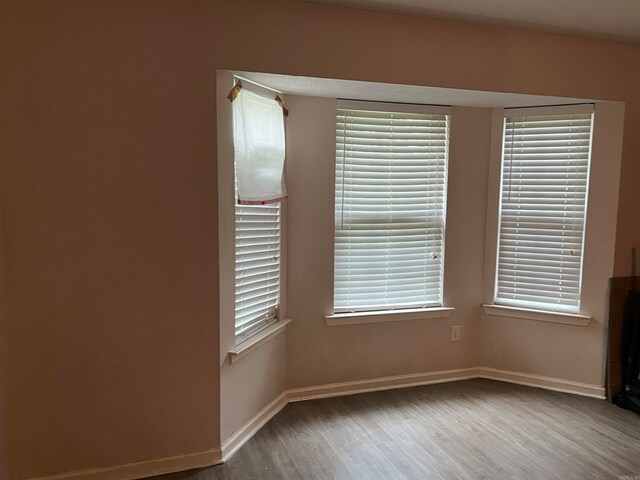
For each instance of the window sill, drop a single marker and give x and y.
(357, 318)
(249, 345)
(537, 315)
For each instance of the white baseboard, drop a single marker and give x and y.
(382, 383)
(442, 376)
(548, 383)
(240, 437)
(231, 445)
(148, 468)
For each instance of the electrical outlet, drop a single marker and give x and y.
(455, 333)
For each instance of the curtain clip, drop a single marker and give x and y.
(281, 103)
(235, 91)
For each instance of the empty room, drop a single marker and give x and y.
(331, 239)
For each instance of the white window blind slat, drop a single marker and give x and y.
(543, 203)
(390, 207)
(257, 282)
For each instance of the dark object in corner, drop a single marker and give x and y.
(629, 397)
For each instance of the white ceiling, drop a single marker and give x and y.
(388, 92)
(610, 19)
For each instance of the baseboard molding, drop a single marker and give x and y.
(189, 461)
(148, 468)
(239, 438)
(539, 381)
(377, 384)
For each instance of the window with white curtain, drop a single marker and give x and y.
(259, 148)
(390, 204)
(543, 207)
(258, 159)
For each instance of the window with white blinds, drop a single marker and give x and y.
(391, 173)
(257, 267)
(258, 138)
(545, 178)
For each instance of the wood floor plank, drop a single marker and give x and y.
(474, 429)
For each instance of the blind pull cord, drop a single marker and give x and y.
(344, 160)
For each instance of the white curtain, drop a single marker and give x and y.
(259, 142)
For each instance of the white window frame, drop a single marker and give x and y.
(582, 317)
(344, 317)
(268, 321)
(238, 346)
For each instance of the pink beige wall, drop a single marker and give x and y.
(4, 348)
(108, 198)
(318, 354)
(108, 192)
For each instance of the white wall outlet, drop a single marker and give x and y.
(455, 333)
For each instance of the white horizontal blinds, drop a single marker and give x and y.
(257, 266)
(390, 207)
(545, 173)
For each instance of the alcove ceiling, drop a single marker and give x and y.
(617, 20)
(389, 92)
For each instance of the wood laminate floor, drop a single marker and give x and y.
(475, 429)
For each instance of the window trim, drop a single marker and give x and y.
(383, 316)
(257, 339)
(342, 316)
(537, 315)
